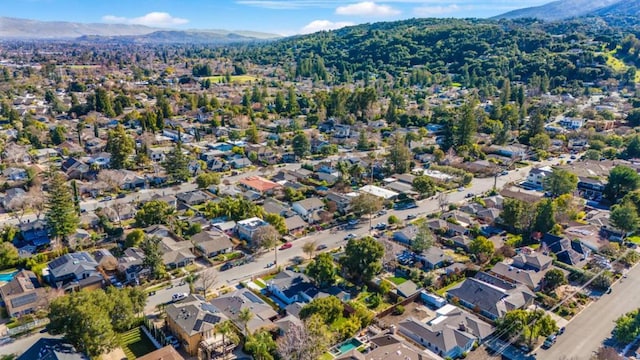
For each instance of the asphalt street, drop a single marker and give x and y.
(331, 239)
(586, 332)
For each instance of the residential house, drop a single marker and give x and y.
(530, 260)
(17, 154)
(307, 207)
(130, 180)
(488, 216)
(537, 176)
(192, 198)
(24, 295)
(450, 334)
(240, 162)
(259, 185)
(491, 296)
(515, 151)
(406, 235)
(42, 156)
(274, 206)
(290, 287)
(530, 278)
(165, 353)
(52, 349)
(211, 243)
(15, 174)
(408, 289)
(75, 169)
(495, 201)
(130, 265)
(246, 229)
(342, 201)
(232, 303)
(176, 252)
(74, 271)
(193, 322)
(12, 195)
(387, 347)
(295, 224)
(569, 252)
(379, 192)
(434, 258)
(461, 241)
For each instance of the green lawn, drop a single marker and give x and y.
(260, 283)
(234, 78)
(442, 291)
(135, 343)
(326, 356)
(397, 280)
(634, 239)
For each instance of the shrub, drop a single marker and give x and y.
(399, 310)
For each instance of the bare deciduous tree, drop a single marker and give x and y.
(266, 237)
(207, 280)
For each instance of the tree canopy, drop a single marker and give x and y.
(362, 259)
(90, 320)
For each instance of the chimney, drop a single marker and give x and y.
(461, 327)
(392, 329)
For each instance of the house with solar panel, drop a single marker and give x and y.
(193, 322)
(72, 272)
(24, 295)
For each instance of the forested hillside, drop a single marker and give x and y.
(476, 52)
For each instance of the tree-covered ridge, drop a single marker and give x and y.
(475, 50)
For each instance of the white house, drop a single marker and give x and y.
(305, 208)
(537, 176)
(247, 228)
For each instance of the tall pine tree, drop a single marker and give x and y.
(177, 164)
(61, 213)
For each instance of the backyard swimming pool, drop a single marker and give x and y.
(7, 276)
(346, 347)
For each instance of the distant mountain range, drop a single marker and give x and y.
(565, 9)
(13, 28)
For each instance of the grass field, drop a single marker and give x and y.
(617, 64)
(135, 343)
(397, 280)
(234, 78)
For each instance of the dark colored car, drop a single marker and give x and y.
(321, 247)
(226, 266)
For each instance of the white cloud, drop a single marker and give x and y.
(151, 19)
(367, 8)
(320, 25)
(427, 11)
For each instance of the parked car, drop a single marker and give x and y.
(106, 198)
(561, 331)
(226, 266)
(411, 216)
(173, 341)
(469, 195)
(286, 246)
(382, 212)
(321, 247)
(350, 236)
(549, 341)
(178, 296)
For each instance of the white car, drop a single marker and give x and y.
(351, 236)
(178, 296)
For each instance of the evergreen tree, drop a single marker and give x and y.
(177, 164)
(300, 144)
(120, 145)
(399, 156)
(61, 213)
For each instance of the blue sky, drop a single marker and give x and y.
(284, 17)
